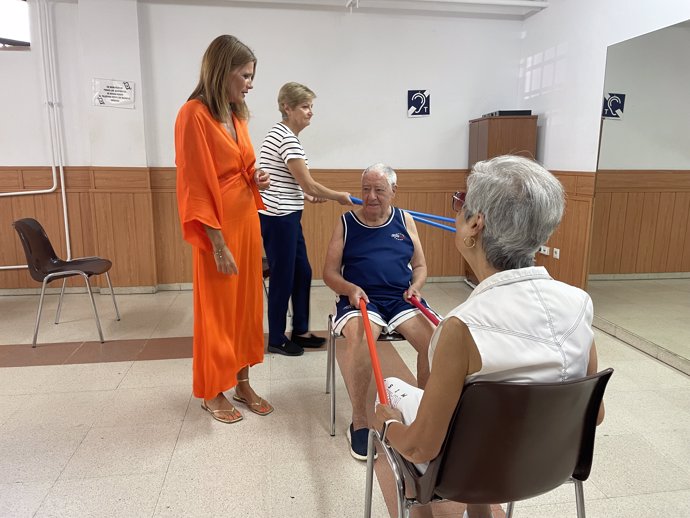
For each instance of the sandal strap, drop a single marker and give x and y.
(215, 412)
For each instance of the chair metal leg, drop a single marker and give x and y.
(403, 504)
(93, 304)
(266, 290)
(38, 314)
(62, 292)
(332, 378)
(370, 474)
(579, 498)
(329, 351)
(112, 294)
(509, 510)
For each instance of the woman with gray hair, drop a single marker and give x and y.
(283, 157)
(518, 324)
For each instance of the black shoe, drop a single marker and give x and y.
(311, 341)
(358, 442)
(289, 348)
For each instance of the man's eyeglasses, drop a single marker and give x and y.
(458, 200)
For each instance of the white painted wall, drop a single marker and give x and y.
(653, 71)
(92, 39)
(359, 65)
(567, 94)
(109, 49)
(24, 137)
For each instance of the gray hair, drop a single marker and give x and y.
(522, 204)
(385, 170)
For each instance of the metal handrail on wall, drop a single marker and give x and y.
(48, 62)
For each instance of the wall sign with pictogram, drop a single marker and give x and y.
(418, 103)
(614, 104)
(113, 93)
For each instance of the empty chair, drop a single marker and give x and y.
(45, 266)
(505, 442)
(330, 362)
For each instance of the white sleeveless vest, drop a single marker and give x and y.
(527, 327)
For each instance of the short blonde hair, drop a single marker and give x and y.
(292, 95)
(224, 55)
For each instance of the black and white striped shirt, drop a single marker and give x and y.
(285, 195)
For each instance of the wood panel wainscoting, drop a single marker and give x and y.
(572, 237)
(641, 222)
(110, 215)
(129, 215)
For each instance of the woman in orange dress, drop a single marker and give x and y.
(218, 199)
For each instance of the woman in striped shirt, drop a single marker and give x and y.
(283, 157)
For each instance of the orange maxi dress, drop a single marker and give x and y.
(215, 187)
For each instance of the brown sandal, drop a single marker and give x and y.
(254, 407)
(216, 414)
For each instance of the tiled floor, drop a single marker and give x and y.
(90, 429)
(652, 314)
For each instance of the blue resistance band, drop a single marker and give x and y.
(420, 216)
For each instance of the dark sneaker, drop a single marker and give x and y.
(358, 442)
(311, 341)
(289, 348)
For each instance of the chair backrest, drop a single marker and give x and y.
(511, 441)
(40, 254)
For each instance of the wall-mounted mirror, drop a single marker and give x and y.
(640, 252)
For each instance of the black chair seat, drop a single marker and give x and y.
(88, 265)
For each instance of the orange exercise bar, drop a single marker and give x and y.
(428, 314)
(380, 388)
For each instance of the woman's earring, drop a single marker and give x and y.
(472, 243)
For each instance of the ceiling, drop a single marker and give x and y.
(518, 9)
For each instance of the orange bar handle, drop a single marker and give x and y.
(375, 365)
(421, 307)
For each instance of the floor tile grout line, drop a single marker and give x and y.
(172, 454)
(65, 362)
(63, 470)
(167, 310)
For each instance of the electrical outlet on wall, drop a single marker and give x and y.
(544, 250)
(556, 253)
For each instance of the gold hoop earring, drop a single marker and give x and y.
(472, 239)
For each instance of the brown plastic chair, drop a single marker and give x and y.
(330, 362)
(506, 442)
(45, 266)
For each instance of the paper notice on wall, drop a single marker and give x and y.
(113, 93)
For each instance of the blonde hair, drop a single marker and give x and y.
(293, 94)
(222, 57)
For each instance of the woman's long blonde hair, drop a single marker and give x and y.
(225, 54)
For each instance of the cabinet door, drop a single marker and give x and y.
(479, 141)
(512, 136)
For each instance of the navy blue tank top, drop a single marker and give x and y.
(377, 259)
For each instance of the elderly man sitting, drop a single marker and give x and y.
(376, 255)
